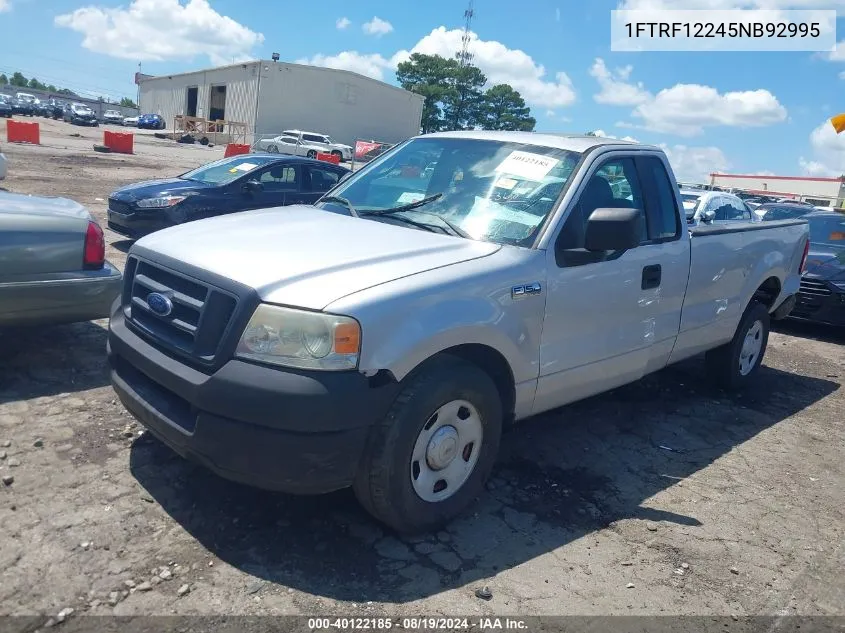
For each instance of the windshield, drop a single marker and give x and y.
(493, 191)
(226, 170)
(828, 230)
(82, 109)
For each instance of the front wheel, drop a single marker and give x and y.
(735, 364)
(431, 455)
(273, 149)
(311, 154)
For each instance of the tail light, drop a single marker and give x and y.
(94, 254)
(803, 265)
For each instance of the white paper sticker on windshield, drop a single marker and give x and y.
(486, 213)
(245, 167)
(527, 165)
(409, 197)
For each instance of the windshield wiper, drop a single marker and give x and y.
(420, 225)
(454, 228)
(406, 207)
(342, 201)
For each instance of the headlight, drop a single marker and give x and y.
(295, 338)
(160, 203)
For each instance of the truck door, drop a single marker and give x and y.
(611, 317)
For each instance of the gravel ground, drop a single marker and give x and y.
(667, 496)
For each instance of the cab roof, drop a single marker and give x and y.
(572, 142)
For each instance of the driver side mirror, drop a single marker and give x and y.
(252, 186)
(708, 216)
(613, 229)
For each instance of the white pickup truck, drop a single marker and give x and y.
(459, 282)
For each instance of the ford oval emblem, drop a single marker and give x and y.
(159, 303)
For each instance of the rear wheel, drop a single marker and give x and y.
(311, 154)
(735, 364)
(338, 153)
(273, 149)
(430, 456)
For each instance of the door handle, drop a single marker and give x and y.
(651, 277)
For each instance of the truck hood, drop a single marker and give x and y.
(826, 262)
(305, 257)
(41, 205)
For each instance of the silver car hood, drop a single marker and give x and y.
(302, 256)
(22, 204)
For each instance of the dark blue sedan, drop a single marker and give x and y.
(239, 183)
(151, 122)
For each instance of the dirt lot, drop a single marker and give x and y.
(665, 497)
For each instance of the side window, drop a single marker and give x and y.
(615, 184)
(313, 138)
(322, 179)
(722, 207)
(661, 207)
(279, 178)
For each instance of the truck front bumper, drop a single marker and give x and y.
(301, 432)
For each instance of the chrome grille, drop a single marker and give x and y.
(814, 288)
(198, 319)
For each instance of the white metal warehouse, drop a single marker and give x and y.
(274, 96)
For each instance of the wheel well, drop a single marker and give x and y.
(494, 365)
(768, 292)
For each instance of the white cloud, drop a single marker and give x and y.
(837, 55)
(604, 134)
(695, 164)
(5, 5)
(377, 27)
(842, 75)
(498, 62)
(557, 14)
(614, 87)
(685, 109)
(550, 113)
(373, 65)
(502, 65)
(342, 23)
(162, 29)
(828, 148)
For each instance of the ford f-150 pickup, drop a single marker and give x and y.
(460, 282)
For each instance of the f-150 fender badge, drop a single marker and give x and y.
(526, 290)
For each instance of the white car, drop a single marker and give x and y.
(286, 144)
(314, 142)
(2, 165)
(131, 121)
(725, 207)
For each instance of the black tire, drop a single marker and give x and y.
(723, 363)
(383, 484)
(338, 153)
(311, 154)
(273, 149)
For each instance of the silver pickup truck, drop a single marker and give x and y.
(458, 283)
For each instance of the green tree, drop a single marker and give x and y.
(37, 85)
(3, 79)
(66, 92)
(463, 106)
(18, 80)
(128, 103)
(454, 96)
(51, 88)
(505, 109)
(429, 76)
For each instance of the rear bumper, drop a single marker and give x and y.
(72, 298)
(288, 430)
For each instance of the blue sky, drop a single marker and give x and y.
(738, 112)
